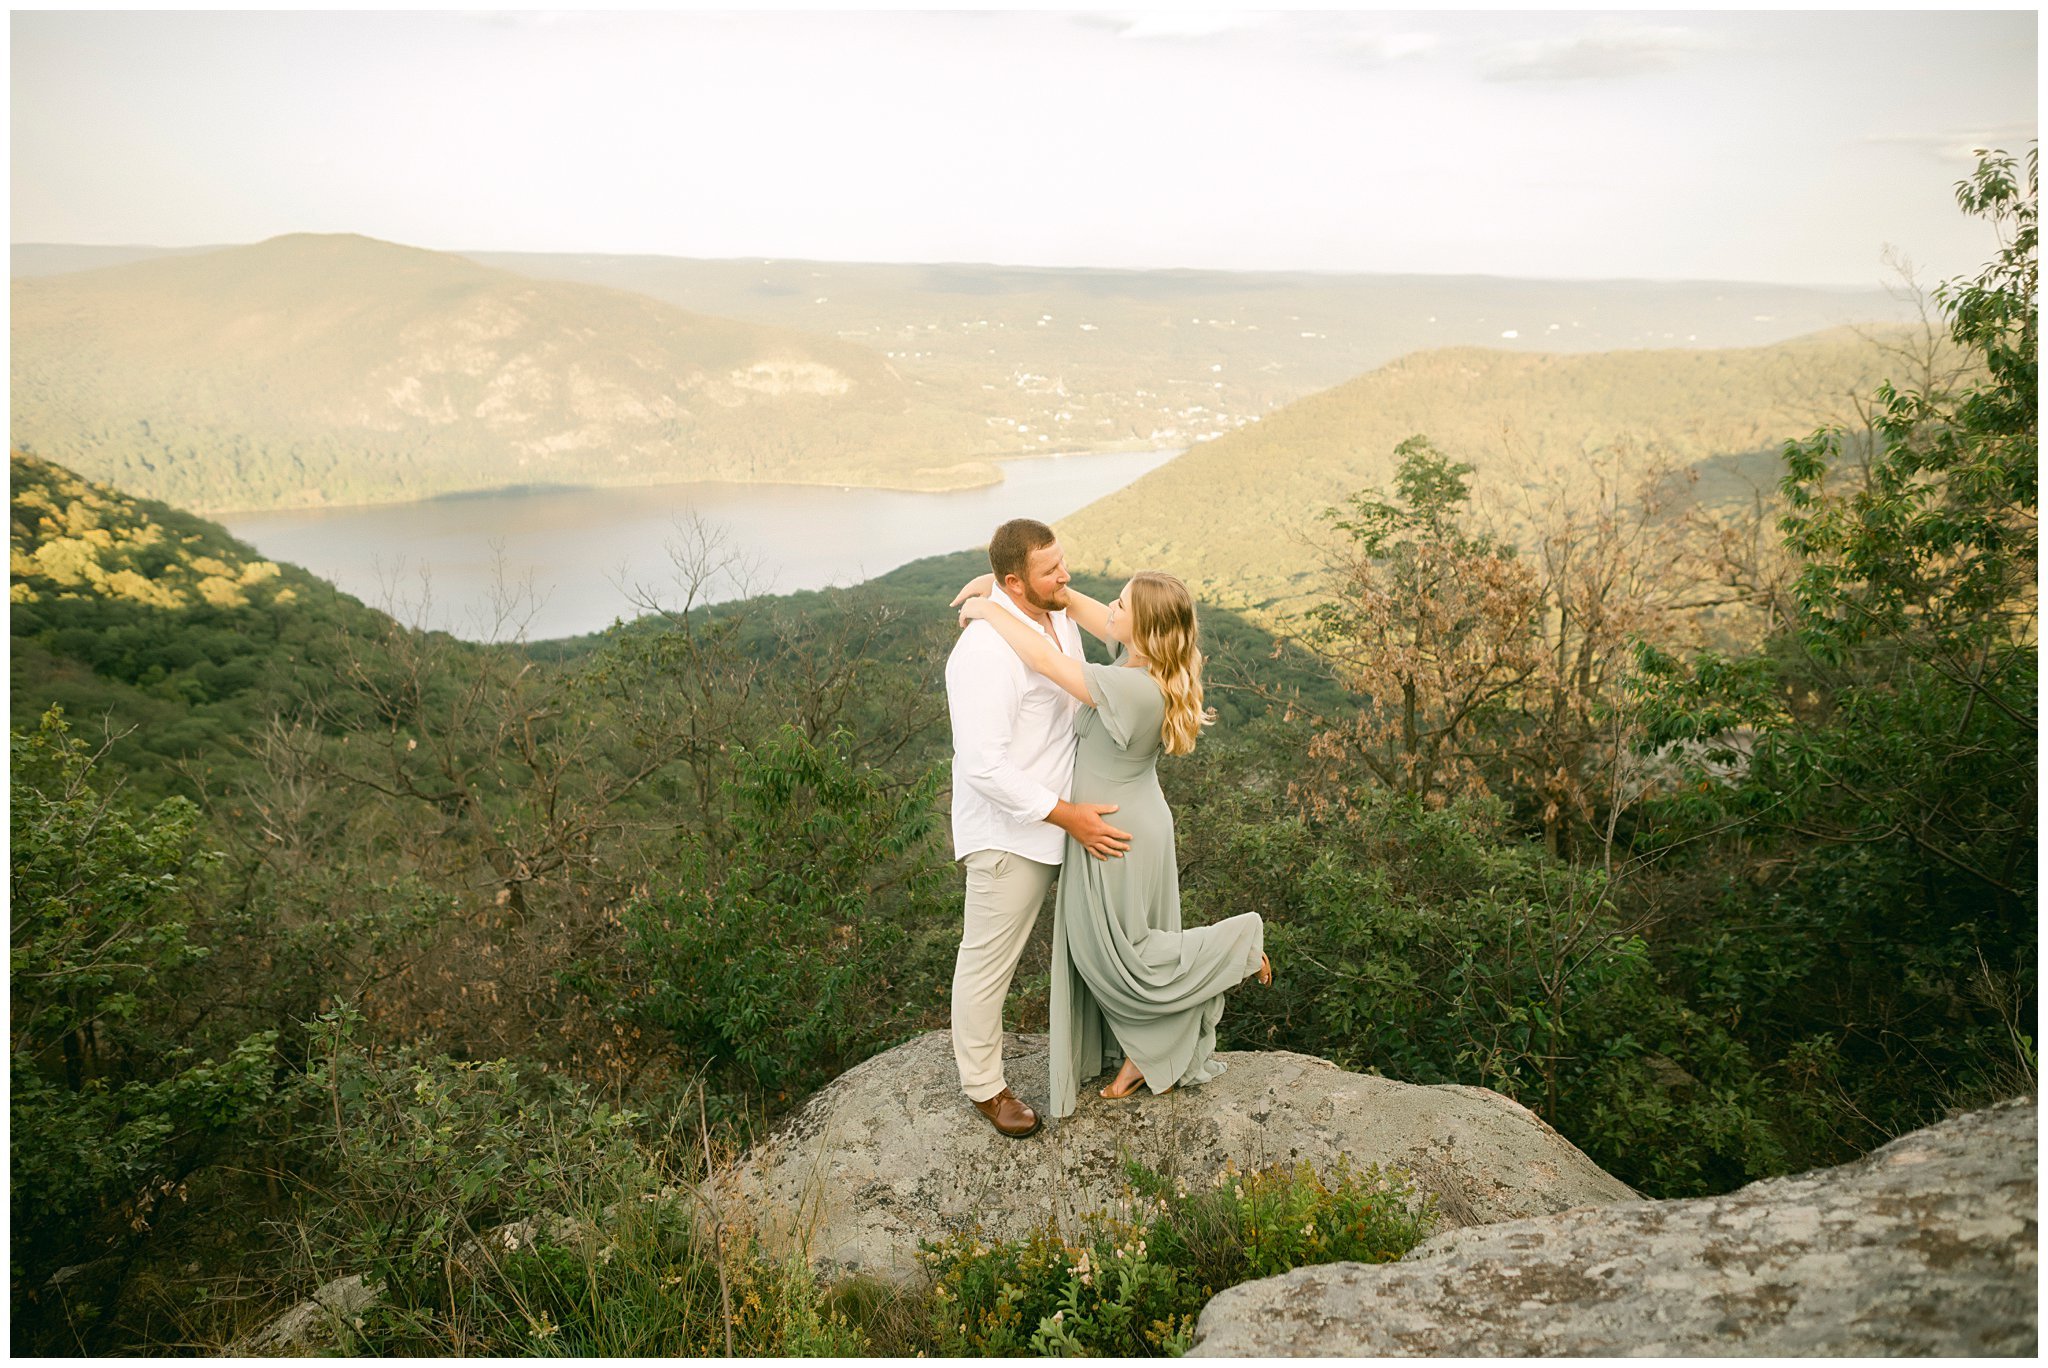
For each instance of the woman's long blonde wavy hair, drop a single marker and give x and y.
(1165, 633)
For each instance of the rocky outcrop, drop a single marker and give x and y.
(1924, 1247)
(891, 1152)
(315, 1325)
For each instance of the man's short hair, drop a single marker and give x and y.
(1009, 550)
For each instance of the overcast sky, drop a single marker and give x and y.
(1755, 146)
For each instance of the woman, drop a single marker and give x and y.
(1127, 979)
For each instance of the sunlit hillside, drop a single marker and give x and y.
(1240, 517)
(71, 538)
(155, 628)
(321, 369)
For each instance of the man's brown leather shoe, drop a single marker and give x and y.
(1008, 1114)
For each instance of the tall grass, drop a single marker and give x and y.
(503, 1213)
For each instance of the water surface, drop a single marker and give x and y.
(571, 560)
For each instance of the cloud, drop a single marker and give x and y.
(1180, 24)
(1960, 145)
(1380, 49)
(1604, 54)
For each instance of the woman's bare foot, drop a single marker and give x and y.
(1265, 970)
(1128, 1080)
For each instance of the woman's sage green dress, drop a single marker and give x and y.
(1127, 979)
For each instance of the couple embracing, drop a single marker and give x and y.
(1046, 750)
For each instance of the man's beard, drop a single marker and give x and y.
(1053, 603)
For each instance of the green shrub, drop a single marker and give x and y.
(110, 1109)
(1418, 944)
(773, 965)
(503, 1211)
(1138, 1278)
(425, 1154)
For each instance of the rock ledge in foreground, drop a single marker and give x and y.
(1924, 1247)
(891, 1152)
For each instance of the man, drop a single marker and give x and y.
(1013, 764)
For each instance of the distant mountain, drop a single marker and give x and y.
(321, 369)
(1070, 359)
(1239, 517)
(1066, 358)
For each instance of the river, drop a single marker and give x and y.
(571, 558)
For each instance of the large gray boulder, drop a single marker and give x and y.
(1923, 1247)
(891, 1152)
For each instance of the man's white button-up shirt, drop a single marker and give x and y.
(1013, 742)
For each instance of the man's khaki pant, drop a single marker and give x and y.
(1004, 892)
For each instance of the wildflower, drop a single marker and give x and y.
(1058, 1316)
(543, 1328)
(1309, 1229)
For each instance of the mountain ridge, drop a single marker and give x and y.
(323, 368)
(1529, 424)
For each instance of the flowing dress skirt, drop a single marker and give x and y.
(1127, 979)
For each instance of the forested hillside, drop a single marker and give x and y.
(1241, 517)
(404, 942)
(337, 369)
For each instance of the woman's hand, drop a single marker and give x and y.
(981, 586)
(975, 608)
